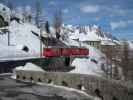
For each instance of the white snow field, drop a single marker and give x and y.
(26, 67)
(85, 66)
(90, 65)
(29, 67)
(21, 36)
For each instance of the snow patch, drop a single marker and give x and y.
(85, 66)
(20, 36)
(130, 45)
(29, 67)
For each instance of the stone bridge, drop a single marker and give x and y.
(108, 88)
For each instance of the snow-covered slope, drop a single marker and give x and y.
(85, 66)
(21, 36)
(92, 64)
(89, 33)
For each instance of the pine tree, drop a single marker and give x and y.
(47, 27)
(28, 14)
(38, 12)
(19, 13)
(125, 59)
(58, 23)
(10, 5)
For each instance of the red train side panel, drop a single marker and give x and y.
(49, 52)
(56, 52)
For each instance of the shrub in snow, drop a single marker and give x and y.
(25, 48)
(93, 60)
(5, 13)
(64, 83)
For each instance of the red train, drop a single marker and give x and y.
(57, 52)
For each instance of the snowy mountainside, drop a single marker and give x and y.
(20, 36)
(89, 33)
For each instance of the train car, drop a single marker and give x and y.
(64, 52)
(59, 59)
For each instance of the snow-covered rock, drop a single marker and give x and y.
(85, 66)
(90, 65)
(29, 67)
(21, 37)
(90, 33)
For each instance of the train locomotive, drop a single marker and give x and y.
(59, 59)
(60, 52)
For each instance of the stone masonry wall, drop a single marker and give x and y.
(108, 88)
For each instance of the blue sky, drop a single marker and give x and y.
(115, 16)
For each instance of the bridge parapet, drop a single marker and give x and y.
(108, 88)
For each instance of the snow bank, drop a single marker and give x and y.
(130, 45)
(29, 67)
(85, 66)
(20, 36)
(90, 65)
(90, 36)
(70, 42)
